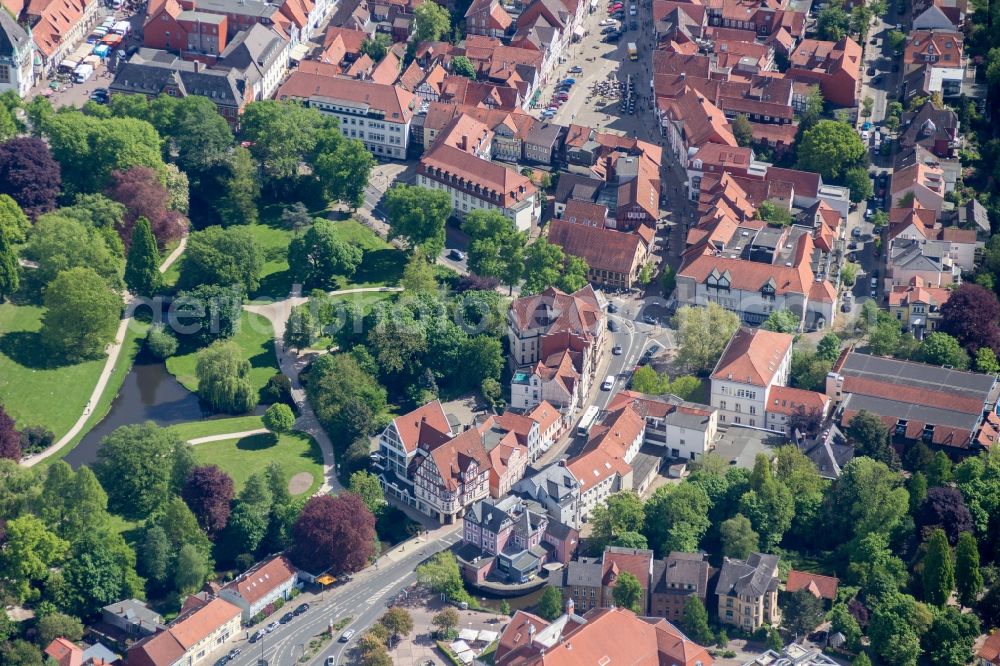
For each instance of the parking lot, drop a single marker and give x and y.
(597, 68)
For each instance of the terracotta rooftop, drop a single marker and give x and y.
(753, 356)
(261, 580)
(821, 587)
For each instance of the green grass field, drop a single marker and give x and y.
(210, 427)
(275, 279)
(255, 339)
(295, 452)
(382, 265)
(32, 391)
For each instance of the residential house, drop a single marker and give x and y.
(938, 15)
(556, 490)
(684, 430)
(917, 306)
(476, 184)
(936, 130)
(17, 54)
(426, 425)
(488, 18)
(451, 476)
(529, 640)
(575, 187)
(753, 363)
(939, 55)
(603, 467)
(377, 114)
(64, 652)
(152, 73)
(589, 582)
(614, 258)
(541, 142)
(748, 592)
(201, 628)
(921, 183)
(550, 424)
(638, 200)
(821, 587)
(262, 55)
(256, 589)
(784, 402)
(939, 406)
(555, 342)
(510, 539)
(835, 66)
(508, 456)
(988, 653)
(681, 575)
(526, 430)
(128, 620)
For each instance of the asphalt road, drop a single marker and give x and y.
(363, 599)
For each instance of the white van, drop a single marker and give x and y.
(609, 381)
(346, 636)
(83, 72)
(122, 28)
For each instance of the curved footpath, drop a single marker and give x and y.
(229, 435)
(291, 364)
(113, 351)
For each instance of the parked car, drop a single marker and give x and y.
(612, 308)
(612, 38)
(631, 11)
(856, 232)
(457, 255)
(257, 636)
(634, 25)
(235, 652)
(871, 71)
(606, 21)
(271, 627)
(853, 257)
(222, 661)
(612, 326)
(653, 350)
(286, 618)
(576, 70)
(100, 95)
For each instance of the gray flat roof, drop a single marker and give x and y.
(910, 411)
(917, 375)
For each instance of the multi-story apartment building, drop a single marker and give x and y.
(477, 184)
(748, 592)
(201, 628)
(555, 344)
(398, 444)
(753, 362)
(677, 577)
(378, 115)
(556, 490)
(917, 306)
(17, 52)
(683, 429)
(449, 477)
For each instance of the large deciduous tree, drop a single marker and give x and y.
(29, 174)
(240, 189)
(317, 257)
(433, 23)
(695, 621)
(628, 593)
(207, 313)
(81, 315)
(970, 316)
(222, 256)
(702, 334)
(208, 492)
(336, 533)
(58, 243)
(224, 378)
(344, 171)
(143, 194)
(418, 215)
(281, 135)
(738, 537)
(830, 148)
(940, 348)
(550, 606)
(136, 463)
(968, 576)
(803, 612)
(142, 268)
(944, 508)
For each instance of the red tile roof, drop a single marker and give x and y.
(425, 423)
(785, 399)
(509, 186)
(262, 580)
(752, 356)
(990, 651)
(602, 249)
(822, 587)
(65, 652)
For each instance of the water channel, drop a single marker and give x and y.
(149, 393)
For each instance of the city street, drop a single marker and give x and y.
(363, 599)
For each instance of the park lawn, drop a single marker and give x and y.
(275, 278)
(211, 427)
(295, 452)
(255, 338)
(30, 391)
(383, 263)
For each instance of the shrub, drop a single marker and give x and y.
(35, 439)
(277, 389)
(161, 343)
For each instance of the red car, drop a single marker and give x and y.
(615, 7)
